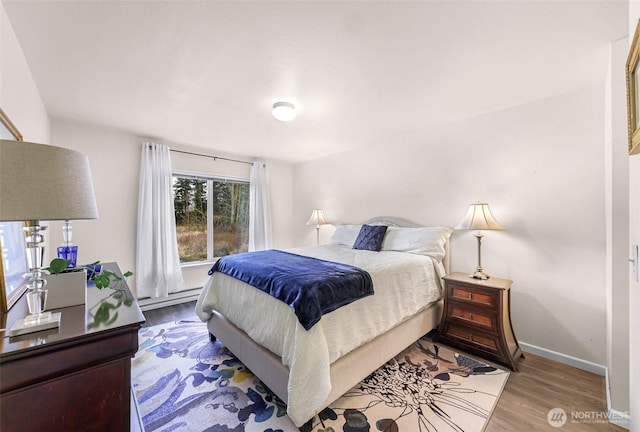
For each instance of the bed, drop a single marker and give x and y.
(310, 368)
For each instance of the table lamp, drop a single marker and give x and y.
(479, 217)
(42, 182)
(317, 218)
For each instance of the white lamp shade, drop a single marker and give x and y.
(284, 111)
(317, 218)
(479, 217)
(43, 182)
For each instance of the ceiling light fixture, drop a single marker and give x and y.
(284, 111)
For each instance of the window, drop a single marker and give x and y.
(212, 217)
(13, 263)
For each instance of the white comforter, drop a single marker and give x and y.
(403, 283)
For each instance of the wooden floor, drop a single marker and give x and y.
(183, 311)
(542, 385)
(528, 396)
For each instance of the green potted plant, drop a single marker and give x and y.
(68, 286)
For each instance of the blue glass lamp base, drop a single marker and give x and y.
(68, 253)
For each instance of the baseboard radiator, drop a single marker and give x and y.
(147, 303)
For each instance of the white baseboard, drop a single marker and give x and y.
(565, 359)
(620, 418)
(173, 299)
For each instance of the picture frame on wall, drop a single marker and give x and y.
(633, 93)
(13, 250)
(7, 129)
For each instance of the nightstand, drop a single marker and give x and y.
(76, 377)
(477, 318)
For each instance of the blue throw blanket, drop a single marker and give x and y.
(311, 286)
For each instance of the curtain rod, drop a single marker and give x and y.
(212, 157)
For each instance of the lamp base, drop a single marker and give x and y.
(69, 253)
(479, 274)
(32, 324)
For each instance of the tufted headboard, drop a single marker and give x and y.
(400, 222)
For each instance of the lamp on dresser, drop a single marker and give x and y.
(479, 217)
(42, 182)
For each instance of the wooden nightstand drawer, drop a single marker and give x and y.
(477, 318)
(472, 316)
(473, 337)
(473, 296)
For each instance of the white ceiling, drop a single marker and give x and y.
(362, 73)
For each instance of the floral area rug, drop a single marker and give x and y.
(183, 382)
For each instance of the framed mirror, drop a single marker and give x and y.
(633, 93)
(13, 251)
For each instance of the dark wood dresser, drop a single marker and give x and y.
(76, 377)
(477, 319)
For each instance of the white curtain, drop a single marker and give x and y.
(158, 270)
(259, 208)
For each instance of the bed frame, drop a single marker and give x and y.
(345, 372)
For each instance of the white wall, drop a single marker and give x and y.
(540, 168)
(634, 285)
(617, 230)
(634, 293)
(115, 159)
(19, 96)
(115, 166)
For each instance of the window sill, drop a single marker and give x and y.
(198, 264)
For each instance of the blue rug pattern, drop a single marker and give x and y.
(184, 382)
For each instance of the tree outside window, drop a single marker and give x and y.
(212, 217)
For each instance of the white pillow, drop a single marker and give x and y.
(428, 241)
(345, 235)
